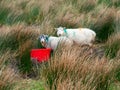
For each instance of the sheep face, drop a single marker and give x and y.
(60, 31)
(43, 40)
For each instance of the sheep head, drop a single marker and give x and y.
(43, 40)
(60, 31)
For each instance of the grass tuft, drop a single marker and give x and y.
(113, 46)
(7, 74)
(105, 25)
(70, 70)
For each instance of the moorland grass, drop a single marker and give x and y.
(21, 22)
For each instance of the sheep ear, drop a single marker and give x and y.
(46, 35)
(41, 36)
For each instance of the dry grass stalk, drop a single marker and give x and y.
(68, 69)
(7, 74)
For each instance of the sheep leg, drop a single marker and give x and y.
(91, 48)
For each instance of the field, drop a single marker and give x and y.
(23, 21)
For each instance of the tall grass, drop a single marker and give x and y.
(112, 46)
(21, 22)
(7, 74)
(10, 14)
(21, 40)
(105, 24)
(74, 13)
(112, 50)
(115, 3)
(70, 70)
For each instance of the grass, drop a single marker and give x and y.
(114, 86)
(112, 46)
(29, 84)
(7, 74)
(69, 72)
(21, 22)
(9, 17)
(110, 2)
(19, 41)
(105, 24)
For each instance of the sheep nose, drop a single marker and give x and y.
(42, 42)
(59, 34)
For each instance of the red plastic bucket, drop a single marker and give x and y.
(40, 55)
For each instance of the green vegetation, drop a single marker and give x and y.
(29, 84)
(113, 46)
(7, 74)
(22, 21)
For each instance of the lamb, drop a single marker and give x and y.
(52, 41)
(81, 36)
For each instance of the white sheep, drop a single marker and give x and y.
(81, 36)
(52, 42)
